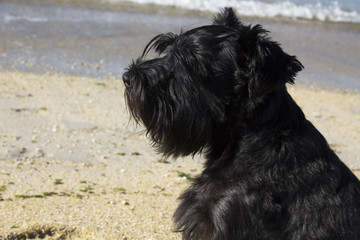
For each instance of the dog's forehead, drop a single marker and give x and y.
(209, 31)
(205, 37)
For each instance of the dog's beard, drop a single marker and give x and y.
(179, 118)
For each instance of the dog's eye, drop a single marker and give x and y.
(126, 79)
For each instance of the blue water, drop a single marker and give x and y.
(97, 42)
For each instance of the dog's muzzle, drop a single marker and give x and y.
(126, 79)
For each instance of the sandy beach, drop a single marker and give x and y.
(72, 166)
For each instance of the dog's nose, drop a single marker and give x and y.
(126, 79)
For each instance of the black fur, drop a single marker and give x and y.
(269, 174)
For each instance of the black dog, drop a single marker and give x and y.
(269, 174)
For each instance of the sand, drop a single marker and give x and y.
(72, 165)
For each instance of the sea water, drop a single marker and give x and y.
(324, 10)
(90, 41)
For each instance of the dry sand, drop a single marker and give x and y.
(73, 167)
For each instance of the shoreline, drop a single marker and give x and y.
(73, 166)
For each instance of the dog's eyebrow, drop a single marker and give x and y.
(159, 43)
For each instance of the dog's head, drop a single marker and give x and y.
(200, 78)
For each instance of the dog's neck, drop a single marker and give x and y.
(273, 114)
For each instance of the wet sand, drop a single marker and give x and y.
(72, 166)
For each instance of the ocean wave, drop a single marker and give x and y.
(332, 12)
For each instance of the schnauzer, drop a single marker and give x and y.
(220, 90)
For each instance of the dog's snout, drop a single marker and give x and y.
(126, 79)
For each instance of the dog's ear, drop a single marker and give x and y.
(226, 17)
(270, 68)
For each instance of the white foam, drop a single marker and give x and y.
(13, 18)
(332, 12)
